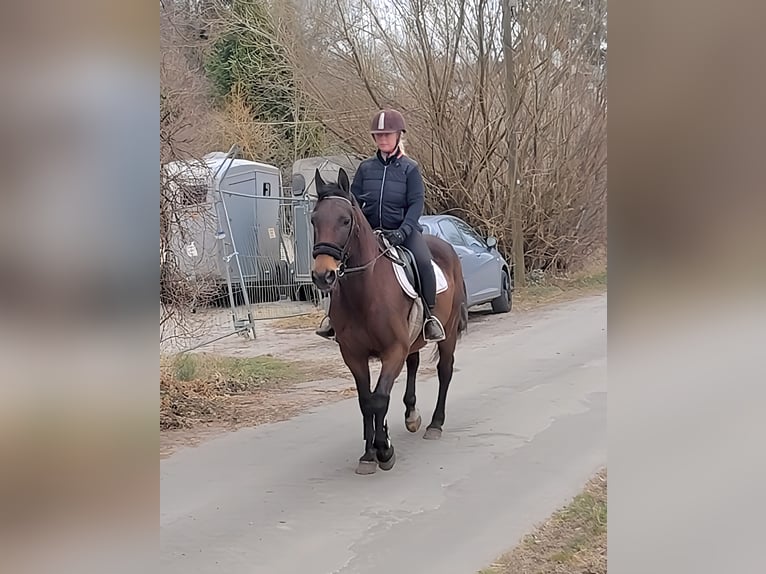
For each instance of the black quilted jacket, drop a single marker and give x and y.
(390, 192)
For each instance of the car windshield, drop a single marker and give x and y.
(450, 232)
(471, 236)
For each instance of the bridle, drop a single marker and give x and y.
(342, 253)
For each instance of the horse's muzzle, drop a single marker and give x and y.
(326, 280)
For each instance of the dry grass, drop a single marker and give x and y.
(306, 321)
(572, 541)
(198, 388)
(547, 290)
(204, 395)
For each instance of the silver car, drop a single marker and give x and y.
(488, 277)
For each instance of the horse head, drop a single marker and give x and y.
(336, 220)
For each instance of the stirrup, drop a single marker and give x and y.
(433, 320)
(326, 329)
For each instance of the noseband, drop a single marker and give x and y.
(341, 253)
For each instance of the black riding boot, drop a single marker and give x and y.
(326, 329)
(433, 331)
(432, 327)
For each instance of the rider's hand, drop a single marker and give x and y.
(395, 237)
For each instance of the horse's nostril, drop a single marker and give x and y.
(324, 278)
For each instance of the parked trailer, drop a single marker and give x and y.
(229, 223)
(303, 185)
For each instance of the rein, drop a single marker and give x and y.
(342, 253)
(343, 270)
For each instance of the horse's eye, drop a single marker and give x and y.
(346, 221)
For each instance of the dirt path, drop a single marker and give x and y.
(293, 339)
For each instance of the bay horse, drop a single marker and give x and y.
(371, 315)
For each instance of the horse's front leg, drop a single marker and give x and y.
(359, 366)
(392, 363)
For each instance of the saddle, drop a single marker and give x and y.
(406, 269)
(406, 272)
(405, 260)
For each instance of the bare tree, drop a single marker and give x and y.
(185, 114)
(443, 65)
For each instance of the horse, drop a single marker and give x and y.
(373, 317)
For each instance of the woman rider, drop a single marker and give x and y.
(389, 188)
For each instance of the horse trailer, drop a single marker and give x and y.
(227, 224)
(303, 186)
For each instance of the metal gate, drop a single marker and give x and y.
(263, 241)
(251, 255)
(269, 265)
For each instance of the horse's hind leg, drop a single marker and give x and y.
(412, 418)
(444, 368)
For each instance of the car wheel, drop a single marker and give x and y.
(502, 304)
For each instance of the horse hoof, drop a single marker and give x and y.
(389, 464)
(366, 467)
(413, 425)
(433, 433)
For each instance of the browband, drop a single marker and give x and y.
(338, 197)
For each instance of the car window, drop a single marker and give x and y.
(427, 229)
(451, 233)
(471, 237)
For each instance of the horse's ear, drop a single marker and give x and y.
(321, 186)
(343, 181)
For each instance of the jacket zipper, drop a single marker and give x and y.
(380, 205)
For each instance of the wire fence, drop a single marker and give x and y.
(246, 244)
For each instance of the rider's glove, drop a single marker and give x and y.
(395, 237)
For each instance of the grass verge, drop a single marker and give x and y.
(305, 321)
(572, 541)
(198, 387)
(555, 289)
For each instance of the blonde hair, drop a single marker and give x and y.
(401, 145)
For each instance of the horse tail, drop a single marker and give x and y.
(462, 322)
(462, 325)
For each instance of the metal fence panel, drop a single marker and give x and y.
(263, 239)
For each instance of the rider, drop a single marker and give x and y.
(389, 189)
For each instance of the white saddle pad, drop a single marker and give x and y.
(441, 280)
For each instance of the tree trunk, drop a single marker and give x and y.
(517, 232)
